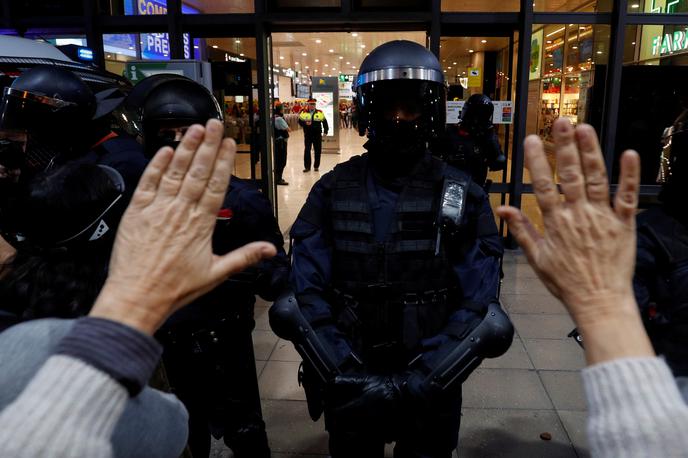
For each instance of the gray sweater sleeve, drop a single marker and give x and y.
(69, 409)
(635, 409)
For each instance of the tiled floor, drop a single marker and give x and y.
(508, 402)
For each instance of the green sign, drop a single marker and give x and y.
(670, 43)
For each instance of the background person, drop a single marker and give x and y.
(208, 345)
(314, 124)
(586, 259)
(281, 140)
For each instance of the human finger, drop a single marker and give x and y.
(569, 167)
(150, 180)
(522, 229)
(541, 174)
(237, 260)
(626, 199)
(173, 177)
(594, 171)
(216, 188)
(201, 167)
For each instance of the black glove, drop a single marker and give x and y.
(363, 401)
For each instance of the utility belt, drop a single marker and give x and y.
(386, 326)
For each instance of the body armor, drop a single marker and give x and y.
(389, 294)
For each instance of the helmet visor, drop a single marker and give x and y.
(22, 110)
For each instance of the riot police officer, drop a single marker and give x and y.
(472, 144)
(208, 352)
(64, 120)
(395, 266)
(661, 276)
(314, 125)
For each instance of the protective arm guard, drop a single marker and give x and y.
(287, 321)
(490, 339)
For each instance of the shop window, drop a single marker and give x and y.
(567, 77)
(658, 6)
(653, 92)
(568, 6)
(218, 6)
(496, 6)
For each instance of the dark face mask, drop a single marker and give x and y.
(396, 147)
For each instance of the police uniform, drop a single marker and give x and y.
(368, 279)
(208, 346)
(312, 135)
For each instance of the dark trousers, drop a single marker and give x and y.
(280, 157)
(217, 383)
(316, 142)
(421, 432)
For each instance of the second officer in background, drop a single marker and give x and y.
(208, 354)
(314, 125)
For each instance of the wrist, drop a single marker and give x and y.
(617, 332)
(129, 309)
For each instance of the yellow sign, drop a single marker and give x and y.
(474, 79)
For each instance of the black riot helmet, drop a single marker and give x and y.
(167, 105)
(401, 95)
(477, 113)
(51, 105)
(673, 169)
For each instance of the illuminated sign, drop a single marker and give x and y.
(157, 45)
(670, 7)
(85, 53)
(229, 58)
(670, 43)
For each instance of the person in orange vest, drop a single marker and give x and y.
(314, 124)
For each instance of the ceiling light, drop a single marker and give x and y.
(242, 54)
(214, 46)
(635, 5)
(483, 41)
(276, 66)
(574, 47)
(281, 57)
(556, 31)
(633, 43)
(445, 71)
(454, 63)
(448, 68)
(363, 46)
(331, 50)
(131, 47)
(549, 41)
(237, 41)
(296, 63)
(599, 52)
(109, 56)
(326, 65)
(348, 63)
(471, 51)
(341, 57)
(318, 41)
(354, 34)
(304, 54)
(307, 67)
(317, 60)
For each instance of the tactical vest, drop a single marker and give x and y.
(668, 328)
(390, 294)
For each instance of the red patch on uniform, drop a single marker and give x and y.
(225, 213)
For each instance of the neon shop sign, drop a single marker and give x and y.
(670, 43)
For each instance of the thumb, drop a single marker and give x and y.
(237, 260)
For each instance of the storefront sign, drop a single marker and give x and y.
(670, 7)
(474, 79)
(503, 112)
(670, 43)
